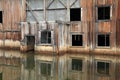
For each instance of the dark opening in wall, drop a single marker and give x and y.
(75, 14)
(77, 40)
(104, 40)
(30, 40)
(104, 13)
(1, 17)
(46, 37)
(103, 67)
(46, 69)
(77, 64)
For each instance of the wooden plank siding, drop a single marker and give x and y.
(56, 17)
(89, 26)
(118, 28)
(13, 12)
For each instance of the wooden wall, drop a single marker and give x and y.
(13, 13)
(118, 27)
(89, 26)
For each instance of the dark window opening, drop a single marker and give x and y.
(104, 13)
(103, 40)
(103, 67)
(46, 69)
(77, 64)
(1, 17)
(77, 40)
(75, 14)
(30, 40)
(46, 37)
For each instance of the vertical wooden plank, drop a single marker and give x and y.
(8, 35)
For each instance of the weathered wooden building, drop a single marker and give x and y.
(71, 26)
(85, 31)
(88, 31)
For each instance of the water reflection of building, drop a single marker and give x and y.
(38, 67)
(70, 66)
(10, 65)
(17, 66)
(93, 67)
(82, 36)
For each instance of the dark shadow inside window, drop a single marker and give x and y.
(103, 40)
(77, 40)
(46, 37)
(1, 17)
(104, 13)
(75, 14)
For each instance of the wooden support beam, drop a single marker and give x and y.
(33, 14)
(9, 30)
(62, 3)
(45, 10)
(73, 3)
(50, 3)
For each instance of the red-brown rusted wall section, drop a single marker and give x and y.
(94, 27)
(13, 13)
(118, 27)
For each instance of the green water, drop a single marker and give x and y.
(15, 65)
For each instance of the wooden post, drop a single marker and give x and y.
(45, 10)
